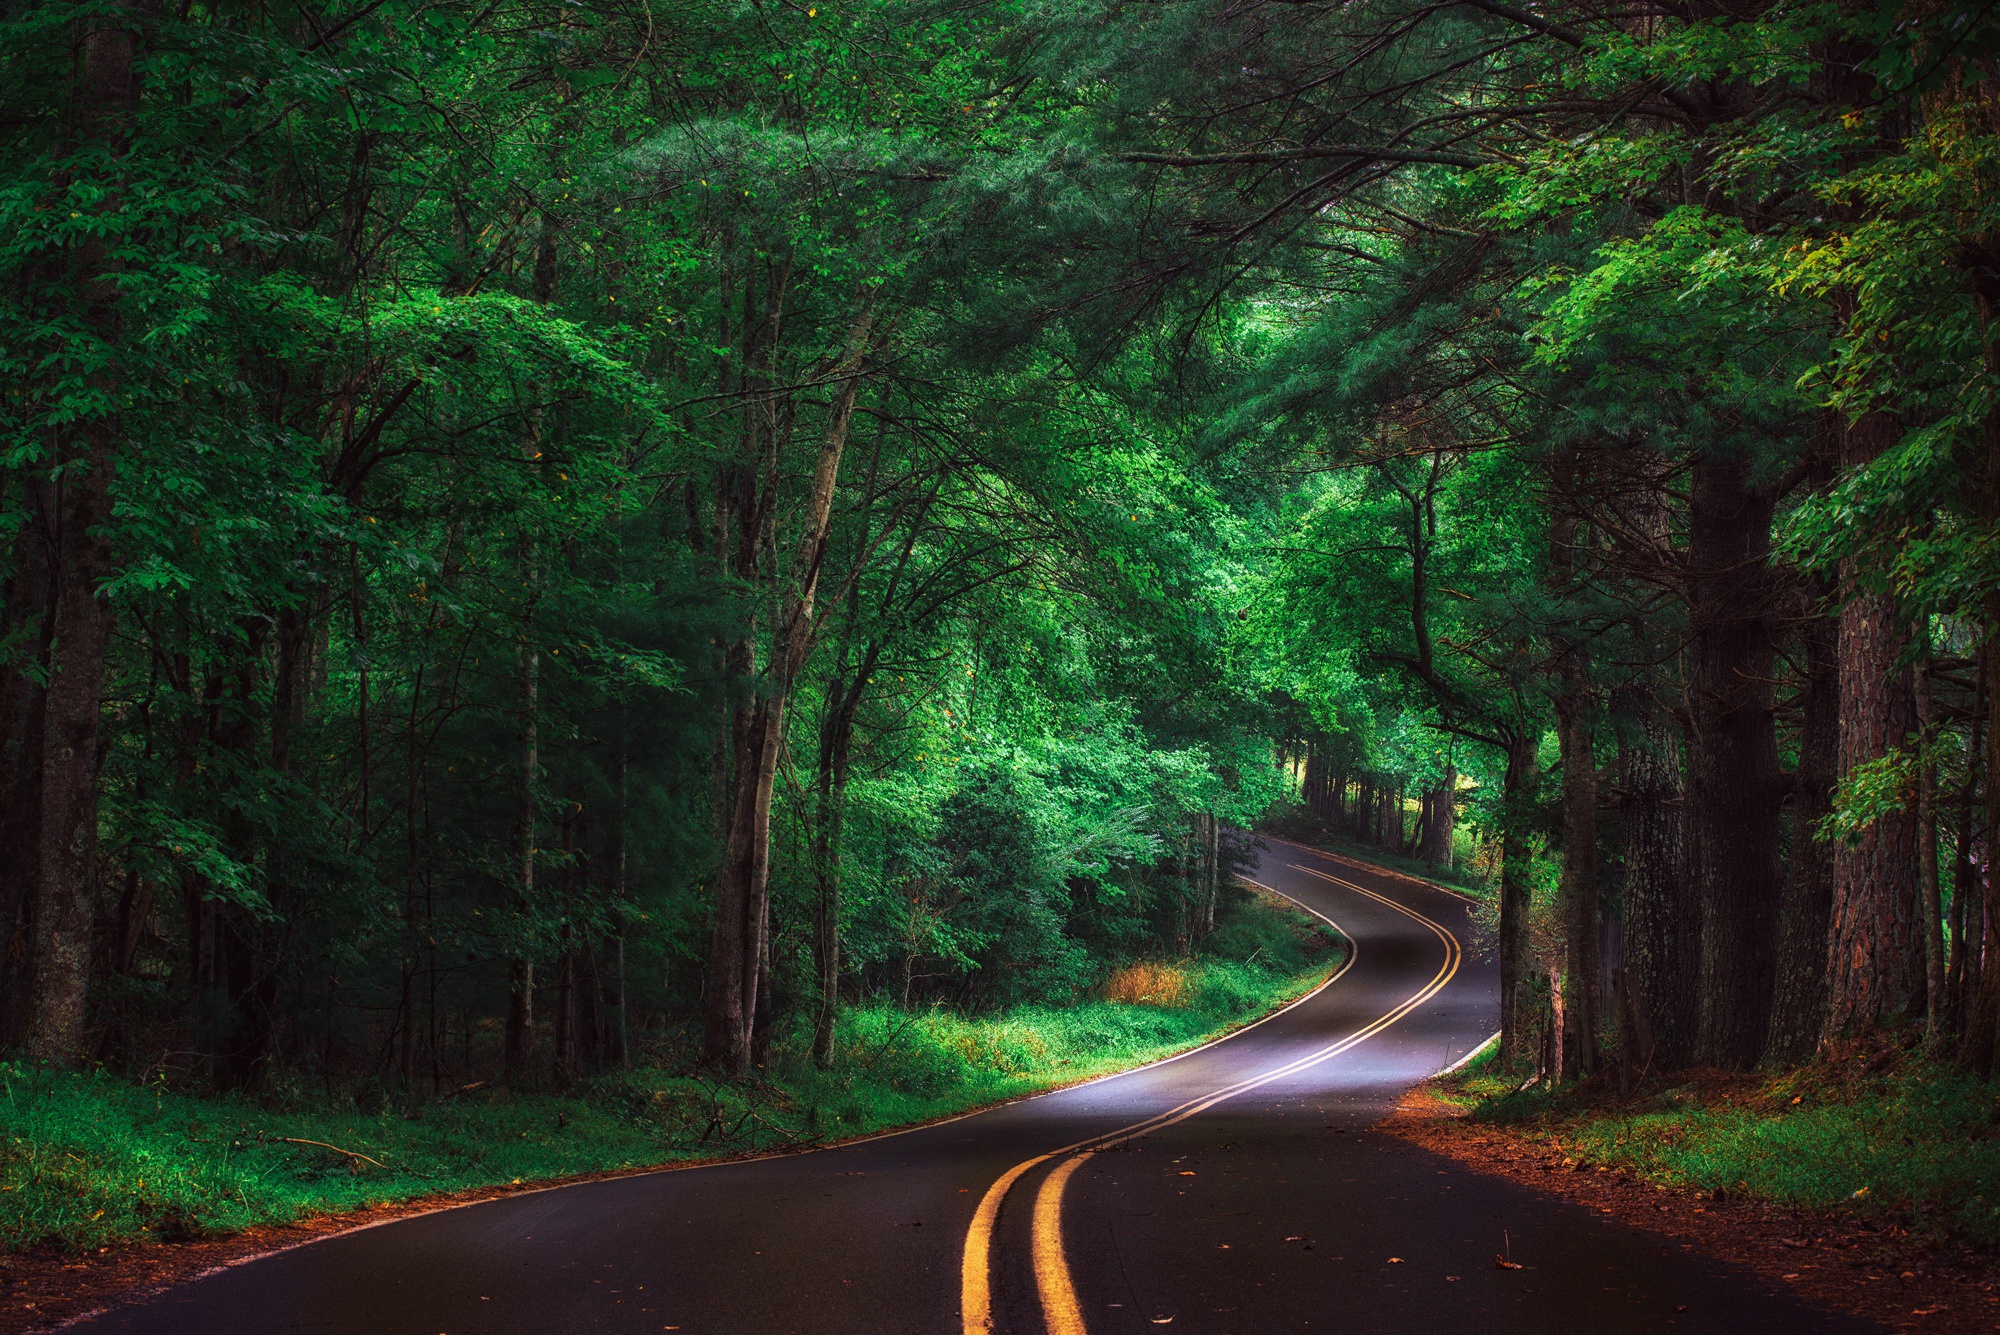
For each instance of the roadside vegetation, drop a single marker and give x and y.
(92, 1160)
(1872, 1131)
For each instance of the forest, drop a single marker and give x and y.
(548, 538)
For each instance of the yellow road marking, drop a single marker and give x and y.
(1060, 1313)
(975, 1293)
(1051, 1272)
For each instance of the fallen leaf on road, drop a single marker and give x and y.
(1502, 1263)
(1395, 1260)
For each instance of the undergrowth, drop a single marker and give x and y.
(1884, 1135)
(88, 1161)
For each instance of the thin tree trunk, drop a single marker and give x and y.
(1579, 879)
(836, 736)
(1930, 910)
(618, 1048)
(737, 953)
(519, 1039)
(1805, 905)
(1514, 894)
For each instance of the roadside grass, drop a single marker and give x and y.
(92, 1160)
(1880, 1133)
(1301, 825)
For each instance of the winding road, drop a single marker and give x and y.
(1234, 1190)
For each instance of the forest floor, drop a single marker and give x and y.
(107, 1186)
(1867, 1183)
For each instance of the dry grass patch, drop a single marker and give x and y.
(1149, 983)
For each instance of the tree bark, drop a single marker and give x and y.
(1578, 893)
(1735, 784)
(1875, 947)
(1662, 903)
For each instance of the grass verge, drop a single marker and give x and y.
(1879, 1133)
(90, 1161)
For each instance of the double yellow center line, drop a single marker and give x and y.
(1061, 1313)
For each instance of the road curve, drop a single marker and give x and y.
(1236, 1190)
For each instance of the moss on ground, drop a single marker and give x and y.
(92, 1160)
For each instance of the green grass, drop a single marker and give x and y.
(1917, 1143)
(92, 1160)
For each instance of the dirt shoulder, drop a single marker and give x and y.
(1878, 1271)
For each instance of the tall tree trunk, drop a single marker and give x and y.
(1805, 905)
(1875, 948)
(64, 904)
(519, 1039)
(737, 958)
(1735, 787)
(1576, 737)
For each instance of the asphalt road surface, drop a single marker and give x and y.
(1235, 1190)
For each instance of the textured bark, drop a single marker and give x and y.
(1662, 903)
(1798, 1009)
(1875, 947)
(1515, 1031)
(1735, 786)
